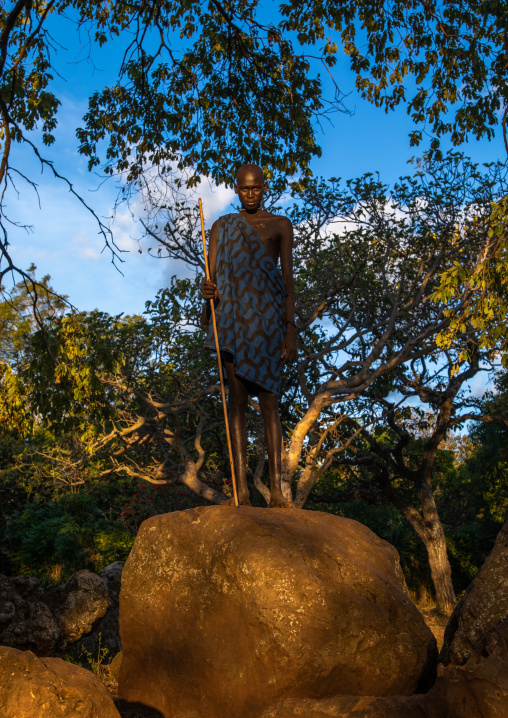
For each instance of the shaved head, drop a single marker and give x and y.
(250, 186)
(252, 171)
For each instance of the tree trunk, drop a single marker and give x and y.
(440, 569)
(430, 530)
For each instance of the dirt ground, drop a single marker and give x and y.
(435, 619)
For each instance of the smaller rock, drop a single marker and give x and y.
(34, 687)
(112, 574)
(86, 601)
(104, 640)
(25, 620)
(26, 586)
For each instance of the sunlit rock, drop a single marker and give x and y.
(32, 687)
(224, 612)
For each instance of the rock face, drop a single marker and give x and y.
(25, 620)
(65, 618)
(34, 687)
(106, 633)
(224, 612)
(79, 604)
(479, 689)
(482, 606)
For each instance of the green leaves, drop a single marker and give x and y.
(456, 52)
(65, 364)
(236, 91)
(483, 280)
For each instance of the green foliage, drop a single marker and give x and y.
(484, 278)
(30, 304)
(65, 363)
(55, 539)
(485, 470)
(15, 415)
(185, 90)
(26, 75)
(197, 112)
(446, 62)
(193, 73)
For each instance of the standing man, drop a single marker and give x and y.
(255, 312)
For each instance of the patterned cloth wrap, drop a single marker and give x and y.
(250, 314)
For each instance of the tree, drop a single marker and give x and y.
(191, 75)
(402, 451)
(445, 61)
(368, 327)
(131, 391)
(19, 317)
(183, 100)
(483, 279)
(485, 468)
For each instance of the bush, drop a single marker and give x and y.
(53, 540)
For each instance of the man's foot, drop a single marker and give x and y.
(279, 502)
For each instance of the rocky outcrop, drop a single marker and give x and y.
(34, 687)
(479, 689)
(482, 607)
(112, 575)
(79, 604)
(25, 620)
(224, 612)
(51, 622)
(105, 636)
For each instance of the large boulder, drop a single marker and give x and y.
(481, 608)
(25, 620)
(34, 687)
(224, 612)
(478, 689)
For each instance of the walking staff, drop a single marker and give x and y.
(217, 348)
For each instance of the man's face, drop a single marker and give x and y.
(250, 187)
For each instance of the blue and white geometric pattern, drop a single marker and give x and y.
(251, 312)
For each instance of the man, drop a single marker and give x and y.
(255, 311)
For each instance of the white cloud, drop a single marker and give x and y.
(217, 200)
(86, 248)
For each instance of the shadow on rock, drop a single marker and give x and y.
(478, 689)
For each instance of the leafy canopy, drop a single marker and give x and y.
(446, 61)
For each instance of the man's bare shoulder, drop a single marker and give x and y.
(280, 219)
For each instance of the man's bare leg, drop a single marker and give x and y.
(269, 406)
(237, 410)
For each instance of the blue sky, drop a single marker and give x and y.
(64, 241)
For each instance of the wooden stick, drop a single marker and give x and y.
(217, 348)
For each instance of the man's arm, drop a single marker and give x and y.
(288, 352)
